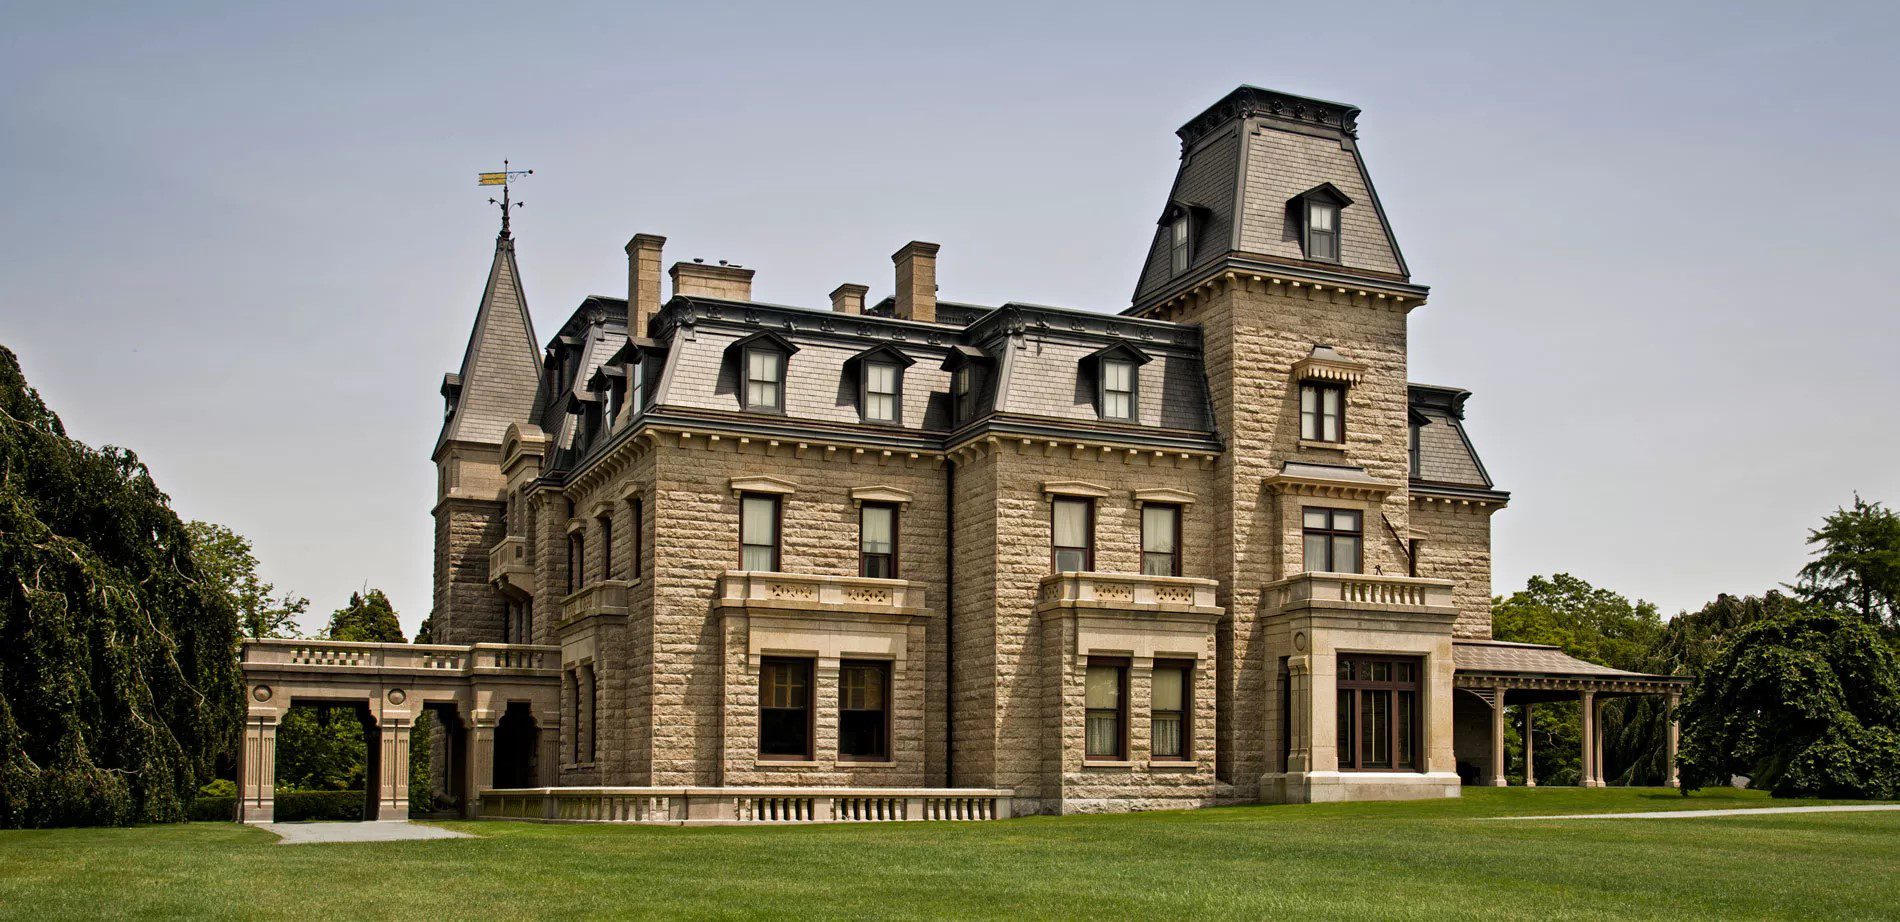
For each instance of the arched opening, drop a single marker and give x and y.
(326, 762)
(517, 744)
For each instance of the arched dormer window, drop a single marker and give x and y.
(1317, 211)
(1115, 370)
(879, 375)
(762, 358)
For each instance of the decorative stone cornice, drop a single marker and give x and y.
(1078, 488)
(1325, 364)
(1164, 495)
(880, 494)
(762, 484)
(1254, 102)
(1299, 479)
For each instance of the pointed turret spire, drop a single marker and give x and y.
(501, 368)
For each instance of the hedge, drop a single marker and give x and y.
(291, 806)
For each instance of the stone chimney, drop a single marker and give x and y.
(732, 283)
(643, 281)
(917, 281)
(849, 298)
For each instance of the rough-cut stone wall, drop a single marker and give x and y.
(973, 610)
(467, 608)
(1455, 544)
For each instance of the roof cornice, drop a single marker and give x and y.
(1255, 102)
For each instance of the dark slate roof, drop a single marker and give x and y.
(1445, 452)
(497, 383)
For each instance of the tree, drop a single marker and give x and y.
(368, 617)
(118, 687)
(225, 558)
(1806, 704)
(1858, 563)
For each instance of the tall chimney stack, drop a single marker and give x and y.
(731, 283)
(849, 298)
(643, 281)
(917, 281)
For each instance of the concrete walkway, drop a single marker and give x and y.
(378, 831)
(1697, 814)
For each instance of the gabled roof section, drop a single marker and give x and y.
(1326, 192)
(501, 368)
(882, 352)
(764, 338)
(1119, 349)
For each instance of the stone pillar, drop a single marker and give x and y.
(257, 769)
(1498, 779)
(1299, 756)
(1669, 748)
(1587, 716)
(389, 760)
(479, 765)
(1530, 763)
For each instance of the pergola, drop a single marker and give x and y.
(1502, 673)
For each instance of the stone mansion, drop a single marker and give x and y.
(1210, 547)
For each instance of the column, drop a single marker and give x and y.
(1530, 763)
(1299, 716)
(257, 769)
(1587, 713)
(479, 765)
(1669, 748)
(1497, 739)
(391, 765)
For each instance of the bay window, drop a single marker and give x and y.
(1332, 540)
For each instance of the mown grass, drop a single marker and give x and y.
(1422, 860)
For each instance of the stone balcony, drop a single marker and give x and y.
(762, 591)
(271, 655)
(605, 598)
(508, 566)
(1360, 592)
(1127, 592)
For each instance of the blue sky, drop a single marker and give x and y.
(245, 240)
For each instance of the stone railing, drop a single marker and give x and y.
(601, 597)
(1126, 591)
(732, 806)
(1358, 591)
(346, 656)
(508, 565)
(757, 589)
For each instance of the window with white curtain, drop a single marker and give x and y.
(1072, 538)
(1106, 694)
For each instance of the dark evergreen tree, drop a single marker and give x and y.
(368, 617)
(1857, 566)
(118, 684)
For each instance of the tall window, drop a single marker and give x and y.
(606, 547)
(877, 541)
(576, 560)
(1332, 540)
(1106, 720)
(1414, 450)
(758, 532)
(589, 709)
(1178, 244)
(638, 526)
(765, 380)
(1323, 412)
(880, 393)
(1072, 535)
(963, 392)
(864, 712)
(1118, 390)
(1322, 230)
(1378, 713)
(1169, 714)
(1161, 539)
(785, 709)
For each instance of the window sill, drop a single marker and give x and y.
(787, 763)
(1322, 445)
(867, 763)
(1123, 764)
(1174, 765)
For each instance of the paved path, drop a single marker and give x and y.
(379, 831)
(1696, 814)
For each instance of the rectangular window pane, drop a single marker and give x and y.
(1345, 554)
(1069, 534)
(1315, 560)
(880, 393)
(1071, 561)
(1104, 711)
(878, 527)
(1316, 518)
(1346, 520)
(1407, 701)
(881, 407)
(1170, 685)
(862, 710)
(785, 708)
(1348, 758)
(1116, 406)
(1157, 528)
(1375, 729)
(1103, 687)
(759, 520)
(1322, 217)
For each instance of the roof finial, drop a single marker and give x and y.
(502, 179)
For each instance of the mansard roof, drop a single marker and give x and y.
(1446, 456)
(497, 382)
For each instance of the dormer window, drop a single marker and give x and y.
(1116, 372)
(880, 379)
(965, 365)
(1178, 243)
(762, 361)
(1318, 211)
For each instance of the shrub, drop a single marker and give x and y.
(214, 809)
(294, 806)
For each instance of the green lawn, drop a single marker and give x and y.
(1422, 860)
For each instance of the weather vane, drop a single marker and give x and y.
(502, 179)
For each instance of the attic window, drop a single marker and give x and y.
(1178, 243)
(879, 371)
(966, 365)
(1318, 212)
(762, 361)
(1116, 372)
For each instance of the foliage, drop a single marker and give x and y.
(321, 749)
(118, 684)
(297, 806)
(369, 617)
(226, 560)
(1858, 563)
(1805, 703)
(214, 808)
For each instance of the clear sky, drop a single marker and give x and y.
(1662, 238)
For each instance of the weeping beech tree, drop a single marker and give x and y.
(119, 683)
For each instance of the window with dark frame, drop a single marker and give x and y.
(1072, 534)
(963, 392)
(636, 387)
(864, 711)
(576, 561)
(785, 708)
(877, 540)
(1178, 244)
(606, 547)
(1118, 390)
(1169, 723)
(1160, 539)
(1105, 721)
(1322, 230)
(637, 515)
(1322, 412)
(880, 392)
(1412, 452)
(1332, 540)
(765, 379)
(1378, 712)
(759, 532)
